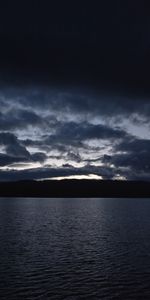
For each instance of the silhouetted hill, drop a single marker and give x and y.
(75, 188)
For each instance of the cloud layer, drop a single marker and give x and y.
(53, 132)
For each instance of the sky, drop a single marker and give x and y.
(74, 90)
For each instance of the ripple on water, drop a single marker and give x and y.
(74, 249)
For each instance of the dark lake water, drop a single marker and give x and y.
(74, 249)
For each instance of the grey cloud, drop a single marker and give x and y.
(75, 133)
(38, 157)
(134, 155)
(6, 160)
(74, 156)
(7, 138)
(134, 145)
(29, 117)
(79, 101)
(30, 142)
(19, 119)
(102, 104)
(84, 100)
(13, 147)
(16, 152)
(17, 149)
(67, 166)
(40, 107)
(9, 160)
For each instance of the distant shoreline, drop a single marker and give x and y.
(76, 188)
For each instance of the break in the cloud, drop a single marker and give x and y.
(55, 133)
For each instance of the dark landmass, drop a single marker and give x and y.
(75, 188)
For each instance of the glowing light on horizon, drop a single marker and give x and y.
(119, 177)
(90, 176)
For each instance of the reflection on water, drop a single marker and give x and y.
(74, 248)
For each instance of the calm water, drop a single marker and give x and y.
(74, 249)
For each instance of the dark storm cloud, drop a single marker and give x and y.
(12, 145)
(16, 152)
(134, 145)
(132, 161)
(81, 102)
(38, 157)
(30, 142)
(74, 156)
(19, 118)
(6, 160)
(70, 138)
(136, 162)
(106, 105)
(134, 156)
(137, 157)
(73, 133)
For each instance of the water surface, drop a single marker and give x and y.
(74, 248)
